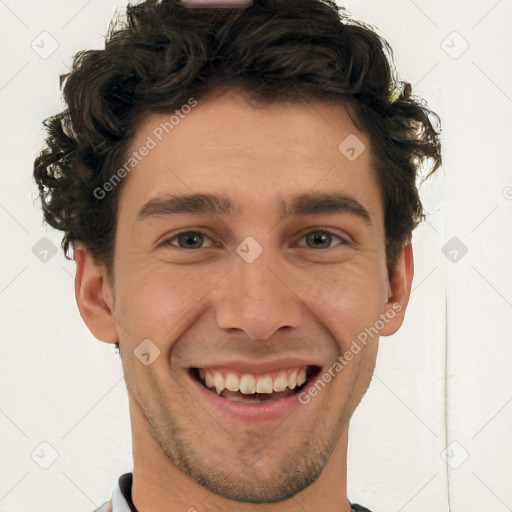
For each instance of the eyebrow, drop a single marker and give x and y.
(210, 204)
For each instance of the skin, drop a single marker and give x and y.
(296, 299)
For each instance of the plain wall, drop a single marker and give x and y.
(443, 380)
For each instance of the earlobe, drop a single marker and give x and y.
(93, 295)
(400, 282)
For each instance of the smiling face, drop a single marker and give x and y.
(250, 251)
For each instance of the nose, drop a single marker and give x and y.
(256, 298)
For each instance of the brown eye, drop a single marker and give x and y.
(188, 240)
(320, 239)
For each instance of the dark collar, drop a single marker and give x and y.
(125, 484)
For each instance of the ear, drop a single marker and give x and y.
(94, 295)
(400, 282)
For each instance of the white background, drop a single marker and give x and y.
(444, 378)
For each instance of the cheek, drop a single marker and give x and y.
(158, 300)
(347, 300)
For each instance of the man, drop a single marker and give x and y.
(239, 190)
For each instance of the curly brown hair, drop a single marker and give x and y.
(163, 54)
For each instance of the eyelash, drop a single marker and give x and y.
(168, 241)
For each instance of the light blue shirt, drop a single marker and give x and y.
(118, 501)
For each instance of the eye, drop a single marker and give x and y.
(196, 240)
(321, 238)
(188, 240)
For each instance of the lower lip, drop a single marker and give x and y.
(250, 412)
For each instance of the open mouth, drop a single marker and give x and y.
(253, 388)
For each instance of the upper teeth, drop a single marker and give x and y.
(248, 383)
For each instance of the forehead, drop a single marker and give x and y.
(256, 154)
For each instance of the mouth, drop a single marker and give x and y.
(255, 388)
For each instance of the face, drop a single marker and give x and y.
(264, 278)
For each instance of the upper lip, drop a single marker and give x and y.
(258, 367)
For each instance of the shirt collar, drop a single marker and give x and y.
(121, 495)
